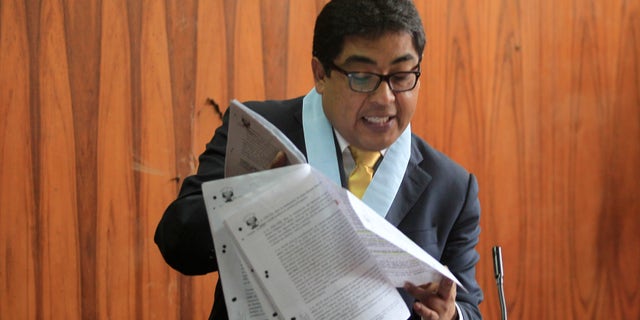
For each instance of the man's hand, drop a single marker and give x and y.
(280, 160)
(434, 301)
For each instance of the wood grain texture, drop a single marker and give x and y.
(106, 105)
(18, 296)
(116, 235)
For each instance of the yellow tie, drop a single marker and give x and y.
(363, 173)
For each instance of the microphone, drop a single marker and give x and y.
(497, 269)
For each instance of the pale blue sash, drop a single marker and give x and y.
(321, 154)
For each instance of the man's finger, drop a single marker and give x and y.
(424, 312)
(445, 289)
(280, 160)
(421, 292)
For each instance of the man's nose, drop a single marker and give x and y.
(383, 94)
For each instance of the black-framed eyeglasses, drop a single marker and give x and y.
(367, 82)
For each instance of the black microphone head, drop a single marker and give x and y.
(497, 262)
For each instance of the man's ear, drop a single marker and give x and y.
(319, 74)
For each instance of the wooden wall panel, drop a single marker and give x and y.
(17, 194)
(58, 232)
(116, 213)
(106, 104)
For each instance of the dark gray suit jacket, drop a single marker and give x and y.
(436, 206)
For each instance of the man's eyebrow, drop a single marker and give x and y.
(359, 59)
(406, 57)
(367, 60)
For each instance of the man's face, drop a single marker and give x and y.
(370, 121)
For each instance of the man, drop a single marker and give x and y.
(366, 66)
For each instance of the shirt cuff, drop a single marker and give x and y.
(460, 317)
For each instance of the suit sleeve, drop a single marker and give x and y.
(460, 255)
(183, 234)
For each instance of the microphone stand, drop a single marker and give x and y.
(497, 268)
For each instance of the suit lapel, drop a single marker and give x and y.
(415, 181)
(297, 136)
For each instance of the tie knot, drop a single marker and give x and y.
(363, 157)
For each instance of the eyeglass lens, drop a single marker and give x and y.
(368, 82)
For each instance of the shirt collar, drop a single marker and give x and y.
(344, 144)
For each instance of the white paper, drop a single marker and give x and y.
(401, 259)
(253, 142)
(308, 257)
(314, 249)
(242, 301)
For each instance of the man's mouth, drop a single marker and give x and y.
(377, 120)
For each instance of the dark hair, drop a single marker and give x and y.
(363, 18)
